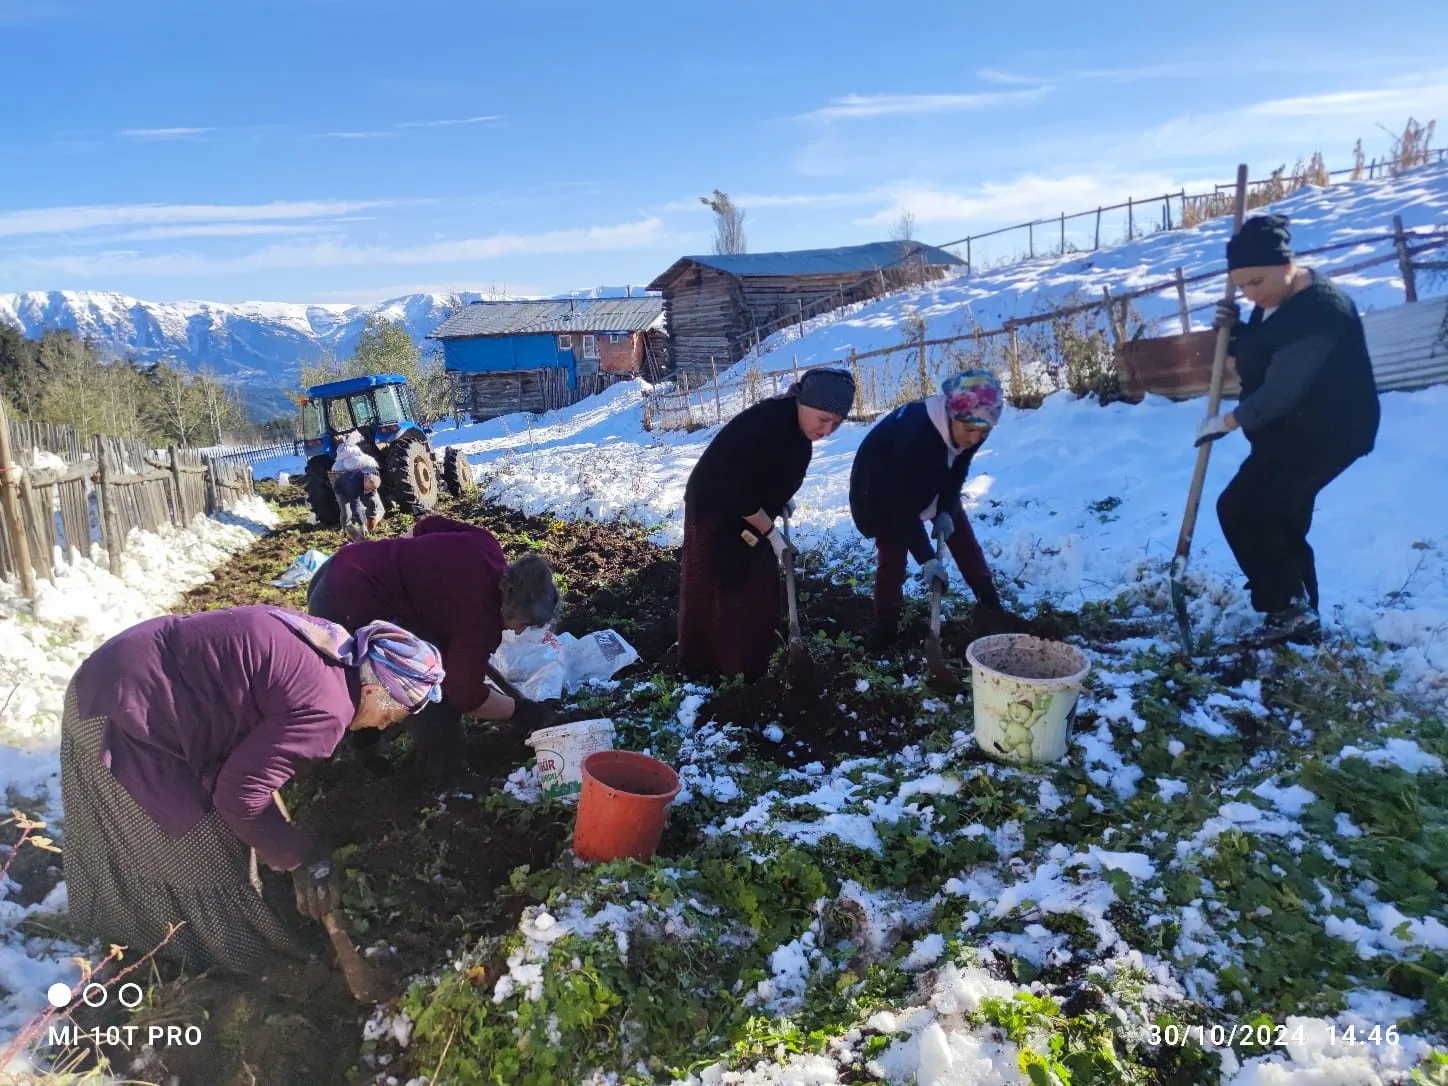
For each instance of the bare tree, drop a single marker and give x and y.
(728, 225)
(903, 228)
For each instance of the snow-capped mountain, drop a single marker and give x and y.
(261, 345)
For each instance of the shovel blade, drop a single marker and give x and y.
(1179, 611)
(941, 677)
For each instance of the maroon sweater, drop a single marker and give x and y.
(442, 584)
(216, 710)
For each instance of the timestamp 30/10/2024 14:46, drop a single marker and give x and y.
(1265, 1035)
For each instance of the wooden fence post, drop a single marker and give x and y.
(1097, 243)
(1031, 239)
(1186, 314)
(9, 496)
(800, 303)
(1110, 305)
(1017, 382)
(1405, 259)
(1130, 220)
(968, 268)
(1063, 233)
(176, 491)
(794, 365)
(774, 380)
(106, 498)
(718, 407)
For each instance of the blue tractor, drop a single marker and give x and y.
(383, 409)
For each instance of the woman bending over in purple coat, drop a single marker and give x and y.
(176, 734)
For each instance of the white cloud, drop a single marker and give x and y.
(231, 230)
(1009, 79)
(164, 133)
(63, 220)
(331, 253)
(752, 201)
(357, 135)
(861, 106)
(1018, 200)
(485, 119)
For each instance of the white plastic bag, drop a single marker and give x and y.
(544, 665)
(302, 570)
(596, 657)
(533, 662)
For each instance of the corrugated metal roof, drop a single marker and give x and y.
(547, 317)
(847, 260)
(1407, 345)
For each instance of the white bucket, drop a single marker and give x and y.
(1025, 691)
(560, 751)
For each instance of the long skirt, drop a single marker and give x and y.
(728, 610)
(128, 881)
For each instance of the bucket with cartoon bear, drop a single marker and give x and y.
(1025, 690)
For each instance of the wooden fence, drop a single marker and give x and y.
(898, 372)
(62, 496)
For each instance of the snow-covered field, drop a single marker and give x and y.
(41, 644)
(1074, 504)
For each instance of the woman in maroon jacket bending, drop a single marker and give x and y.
(747, 477)
(176, 734)
(450, 583)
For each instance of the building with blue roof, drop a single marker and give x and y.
(717, 307)
(540, 354)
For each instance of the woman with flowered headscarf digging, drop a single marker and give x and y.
(175, 736)
(908, 473)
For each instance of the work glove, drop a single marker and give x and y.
(932, 571)
(1227, 315)
(312, 879)
(944, 526)
(782, 550)
(1212, 428)
(532, 715)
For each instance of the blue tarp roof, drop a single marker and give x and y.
(847, 260)
(551, 317)
(355, 384)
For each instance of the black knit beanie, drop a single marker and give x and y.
(1263, 242)
(827, 390)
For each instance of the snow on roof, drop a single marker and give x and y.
(548, 316)
(846, 260)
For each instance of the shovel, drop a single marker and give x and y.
(362, 981)
(799, 666)
(1199, 476)
(941, 677)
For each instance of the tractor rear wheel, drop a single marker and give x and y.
(410, 477)
(457, 473)
(320, 495)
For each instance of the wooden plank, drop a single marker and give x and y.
(10, 497)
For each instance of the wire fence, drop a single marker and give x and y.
(1068, 347)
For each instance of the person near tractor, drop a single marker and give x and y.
(744, 482)
(175, 735)
(1308, 408)
(907, 474)
(358, 488)
(450, 582)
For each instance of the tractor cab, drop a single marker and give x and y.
(381, 407)
(384, 411)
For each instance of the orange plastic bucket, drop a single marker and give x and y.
(622, 806)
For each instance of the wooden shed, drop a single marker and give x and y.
(539, 355)
(716, 307)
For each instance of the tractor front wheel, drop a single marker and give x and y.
(320, 495)
(457, 473)
(411, 476)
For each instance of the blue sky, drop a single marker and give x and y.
(353, 150)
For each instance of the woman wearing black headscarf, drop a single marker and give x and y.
(747, 479)
(1309, 407)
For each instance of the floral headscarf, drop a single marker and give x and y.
(973, 397)
(407, 667)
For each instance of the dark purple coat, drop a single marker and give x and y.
(216, 710)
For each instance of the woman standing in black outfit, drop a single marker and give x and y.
(746, 479)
